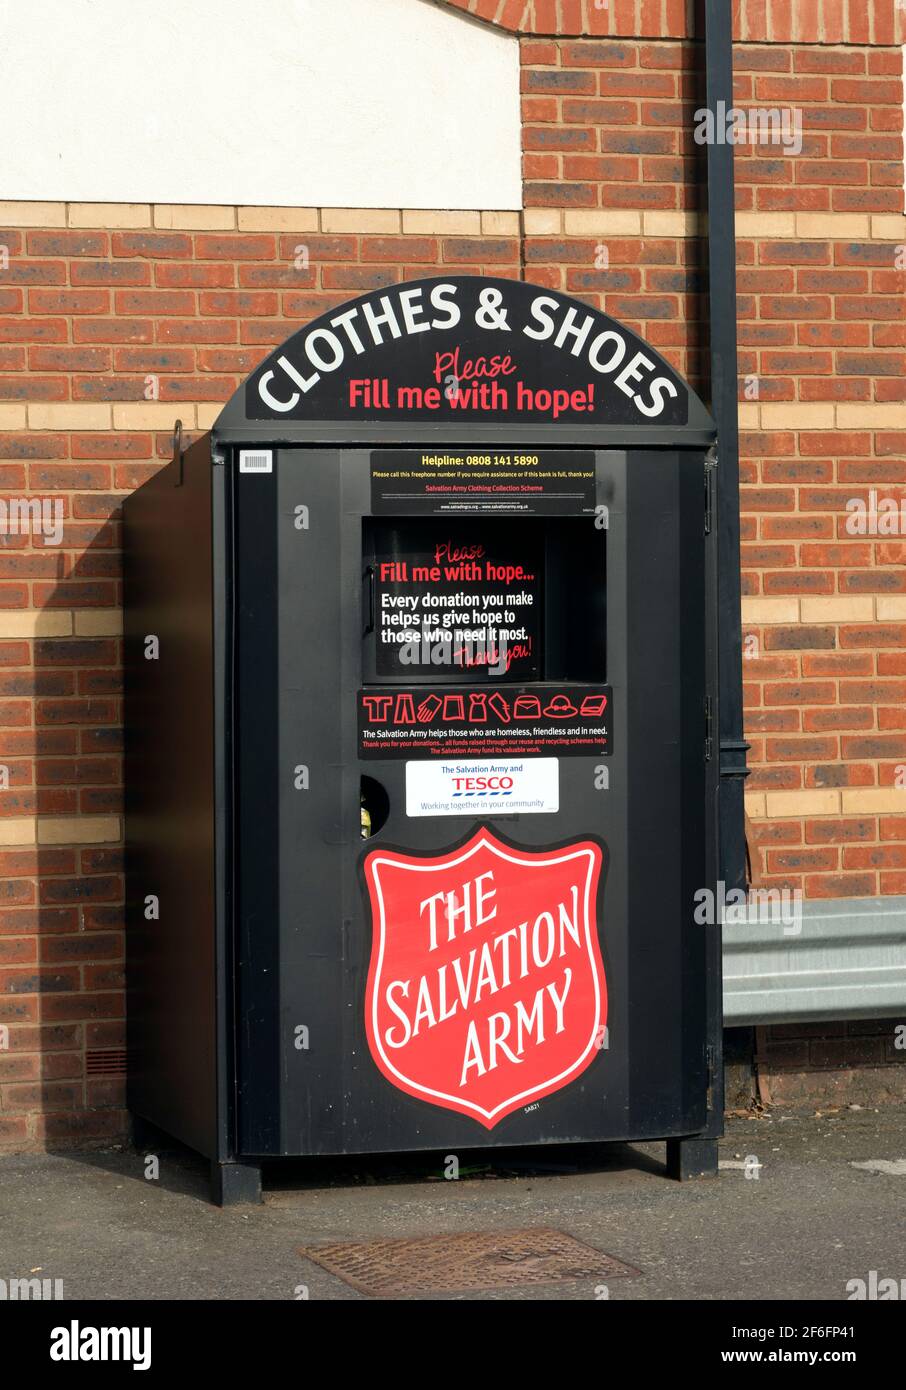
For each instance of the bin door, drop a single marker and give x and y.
(329, 1054)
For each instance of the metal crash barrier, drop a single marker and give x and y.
(839, 960)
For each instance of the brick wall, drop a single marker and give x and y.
(610, 166)
(102, 306)
(98, 306)
(831, 1066)
(822, 336)
(754, 21)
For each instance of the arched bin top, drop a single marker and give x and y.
(464, 358)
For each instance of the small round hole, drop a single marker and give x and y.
(375, 805)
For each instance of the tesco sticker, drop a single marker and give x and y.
(494, 787)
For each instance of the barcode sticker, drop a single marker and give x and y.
(256, 461)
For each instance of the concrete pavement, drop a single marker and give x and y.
(810, 1222)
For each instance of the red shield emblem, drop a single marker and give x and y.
(486, 988)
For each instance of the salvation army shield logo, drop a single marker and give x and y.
(486, 987)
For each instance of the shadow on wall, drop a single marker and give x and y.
(62, 929)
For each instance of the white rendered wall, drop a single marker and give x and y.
(331, 103)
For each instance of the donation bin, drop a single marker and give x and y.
(421, 780)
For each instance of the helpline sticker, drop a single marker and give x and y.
(408, 482)
(494, 787)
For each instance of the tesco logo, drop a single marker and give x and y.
(483, 786)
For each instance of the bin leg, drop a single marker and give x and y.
(691, 1158)
(232, 1183)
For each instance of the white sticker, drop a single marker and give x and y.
(493, 787)
(256, 461)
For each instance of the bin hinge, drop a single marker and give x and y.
(710, 465)
(709, 728)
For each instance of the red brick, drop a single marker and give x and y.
(197, 331)
(839, 831)
(240, 302)
(68, 301)
(154, 245)
(868, 92)
(245, 246)
(847, 885)
(636, 84)
(66, 243)
(70, 359)
(178, 275)
(802, 637)
(27, 272)
(623, 113)
(154, 302)
(111, 273)
(113, 331)
(800, 692)
(878, 635)
(593, 55)
(800, 860)
(875, 857)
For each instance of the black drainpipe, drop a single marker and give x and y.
(718, 35)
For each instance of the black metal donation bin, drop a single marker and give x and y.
(421, 678)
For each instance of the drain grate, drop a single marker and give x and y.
(460, 1263)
